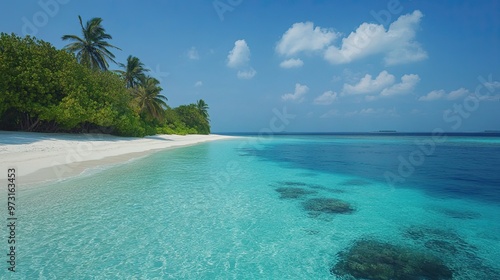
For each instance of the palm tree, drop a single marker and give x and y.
(134, 71)
(148, 98)
(92, 49)
(203, 108)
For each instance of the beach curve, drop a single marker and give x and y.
(42, 157)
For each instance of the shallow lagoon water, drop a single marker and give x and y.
(212, 211)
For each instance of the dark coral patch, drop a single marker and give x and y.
(458, 214)
(327, 205)
(442, 246)
(439, 239)
(355, 182)
(307, 174)
(449, 244)
(293, 192)
(292, 183)
(371, 259)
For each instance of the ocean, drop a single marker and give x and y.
(360, 206)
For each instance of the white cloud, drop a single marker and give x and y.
(373, 112)
(193, 54)
(239, 56)
(369, 111)
(326, 98)
(480, 93)
(198, 84)
(410, 52)
(456, 94)
(331, 113)
(297, 95)
(408, 83)
(292, 63)
(495, 97)
(304, 37)
(490, 94)
(381, 86)
(442, 94)
(492, 86)
(246, 74)
(397, 43)
(369, 85)
(433, 95)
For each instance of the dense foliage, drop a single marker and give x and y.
(49, 90)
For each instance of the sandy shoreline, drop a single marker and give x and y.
(42, 157)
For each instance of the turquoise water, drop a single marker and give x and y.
(212, 211)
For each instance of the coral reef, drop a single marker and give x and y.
(291, 183)
(355, 182)
(461, 255)
(327, 205)
(293, 192)
(371, 259)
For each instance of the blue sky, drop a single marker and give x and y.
(335, 66)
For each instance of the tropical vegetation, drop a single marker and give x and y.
(45, 89)
(93, 49)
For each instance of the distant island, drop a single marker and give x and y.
(44, 89)
(387, 131)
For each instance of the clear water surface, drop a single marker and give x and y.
(212, 211)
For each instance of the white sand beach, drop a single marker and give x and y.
(40, 157)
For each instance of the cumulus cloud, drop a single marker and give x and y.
(397, 43)
(407, 84)
(456, 94)
(369, 85)
(193, 54)
(297, 95)
(292, 63)
(247, 74)
(198, 84)
(369, 111)
(442, 94)
(304, 37)
(331, 113)
(326, 98)
(239, 56)
(384, 85)
(373, 112)
(433, 95)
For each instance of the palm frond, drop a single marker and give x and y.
(92, 48)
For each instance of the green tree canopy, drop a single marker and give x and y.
(203, 108)
(133, 72)
(93, 49)
(149, 98)
(30, 83)
(192, 117)
(47, 90)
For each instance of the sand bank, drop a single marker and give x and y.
(40, 157)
